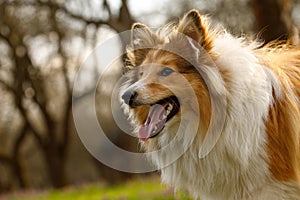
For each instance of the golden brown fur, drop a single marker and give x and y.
(283, 122)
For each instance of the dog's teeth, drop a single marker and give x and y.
(170, 107)
(155, 127)
(164, 117)
(168, 112)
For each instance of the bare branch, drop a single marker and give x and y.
(19, 140)
(29, 127)
(73, 15)
(7, 86)
(124, 15)
(16, 158)
(106, 5)
(37, 137)
(3, 37)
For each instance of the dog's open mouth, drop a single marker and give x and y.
(159, 114)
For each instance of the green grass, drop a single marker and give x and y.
(146, 189)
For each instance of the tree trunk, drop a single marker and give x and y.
(19, 172)
(273, 20)
(17, 162)
(56, 163)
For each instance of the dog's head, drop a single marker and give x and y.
(163, 66)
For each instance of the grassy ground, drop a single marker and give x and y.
(146, 189)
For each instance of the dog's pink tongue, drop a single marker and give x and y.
(154, 122)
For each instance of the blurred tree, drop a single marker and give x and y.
(37, 69)
(274, 20)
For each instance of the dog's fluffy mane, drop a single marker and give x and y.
(258, 153)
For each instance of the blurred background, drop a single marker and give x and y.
(43, 43)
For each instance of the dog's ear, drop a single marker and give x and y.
(193, 26)
(142, 35)
(142, 40)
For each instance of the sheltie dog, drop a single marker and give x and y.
(218, 115)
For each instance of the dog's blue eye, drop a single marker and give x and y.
(166, 71)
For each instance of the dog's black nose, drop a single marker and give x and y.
(129, 97)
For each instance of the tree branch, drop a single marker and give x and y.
(3, 37)
(106, 5)
(30, 128)
(7, 87)
(16, 158)
(124, 15)
(19, 140)
(56, 6)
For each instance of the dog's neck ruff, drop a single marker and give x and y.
(257, 154)
(237, 167)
